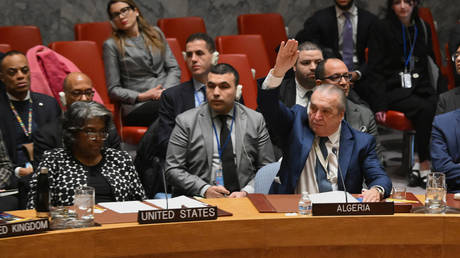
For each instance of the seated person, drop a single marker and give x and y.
(6, 175)
(450, 100)
(84, 161)
(310, 138)
(77, 87)
(216, 149)
(23, 114)
(445, 148)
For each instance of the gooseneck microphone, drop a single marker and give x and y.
(334, 150)
(162, 171)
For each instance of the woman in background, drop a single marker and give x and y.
(139, 64)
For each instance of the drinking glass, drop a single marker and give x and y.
(435, 197)
(84, 206)
(399, 192)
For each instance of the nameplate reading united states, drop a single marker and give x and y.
(355, 208)
(177, 215)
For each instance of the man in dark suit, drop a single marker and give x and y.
(343, 31)
(216, 149)
(445, 148)
(23, 113)
(450, 100)
(320, 133)
(77, 87)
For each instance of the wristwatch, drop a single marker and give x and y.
(380, 190)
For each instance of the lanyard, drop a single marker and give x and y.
(29, 131)
(219, 149)
(406, 60)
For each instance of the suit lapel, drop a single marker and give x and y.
(204, 120)
(346, 149)
(188, 96)
(239, 133)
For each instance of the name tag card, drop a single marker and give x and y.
(359, 208)
(177, 215)
(24, 227)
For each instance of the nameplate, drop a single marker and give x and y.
(177, 215)
(24, 227)
(355, 208)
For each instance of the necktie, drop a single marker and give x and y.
(347, 42)
(228, 161)
(321, 177)
(308, 95)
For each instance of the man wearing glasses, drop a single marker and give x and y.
(77, 87)
(450, 100)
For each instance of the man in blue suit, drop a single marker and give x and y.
(445, 148)
(312, 142)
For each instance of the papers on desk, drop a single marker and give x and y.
(126, 207)
(177, 202)
(8, 192)
(331, 197)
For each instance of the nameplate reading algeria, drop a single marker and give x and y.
(177, 215)
(23, 228)
(356, 208)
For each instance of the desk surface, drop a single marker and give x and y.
(251, 234)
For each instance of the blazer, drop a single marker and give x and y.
(190, 149)
(448, 101)
(357, 157)
(445, 148)
(321, 28)
(133, 73)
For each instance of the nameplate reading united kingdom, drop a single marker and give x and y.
(355, 208)
(177, 215)
(26, 227)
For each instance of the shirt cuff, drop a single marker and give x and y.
(359, 74)
(16, 172)
(203, 190)
(380, 189)
(271, 81)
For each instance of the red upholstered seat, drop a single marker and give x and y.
(175, 48)
(397, 120)
(5, 48)
(93, 31)
(269, 25)
(181, 28)
(20, 38)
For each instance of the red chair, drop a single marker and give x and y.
(241, 64)
(175, 48)
(20, 38)
(269, 25)
(5, 48)
(85, 55)
(450, 70)
(251, 45)
(93, 31)
(426, 15)
(181, 28)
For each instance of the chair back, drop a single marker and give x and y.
(20, 38)
(426, 15)
(5, 48)
(265, 176)
(175, 48)
(93, 31)
(181, 28)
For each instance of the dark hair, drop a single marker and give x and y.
(320, 69)
(77, 116)
(10, 53)
(390, 14)
(224, 68)
(205, 37)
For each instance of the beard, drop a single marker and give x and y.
(344, 7)
(305, 82)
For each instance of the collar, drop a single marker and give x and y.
(300, 90)
(11, 97)
(197, 85)
(335, 137)
(214, 114)
(353, 11)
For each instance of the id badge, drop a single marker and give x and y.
(219, 175)
(406, 80)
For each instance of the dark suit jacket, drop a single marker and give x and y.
(321, 28)
(448, 101)
(357, 156)
(445, 148)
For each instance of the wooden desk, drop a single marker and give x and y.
(250, 234)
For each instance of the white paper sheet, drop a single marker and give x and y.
(126, 207)
(331, 197)
(177, 202)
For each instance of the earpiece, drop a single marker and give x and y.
(62, 98)
(184, 55)
(215, 58)
(239, 91)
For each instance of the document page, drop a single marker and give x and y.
(126, 207)
(177, 202)
(331, 197)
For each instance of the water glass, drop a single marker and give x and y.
(62, 217)
(84, 206)
(435, 197)
(399, 192)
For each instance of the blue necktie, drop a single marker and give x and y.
(321, 177)
(347, 42)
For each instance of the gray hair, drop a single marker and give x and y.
(330, 89)
(77, 116)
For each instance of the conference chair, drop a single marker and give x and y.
(265, 176)
(93, 31)
(269, 25)
(252, 45)
(181, 28)
(20, 38)
(5, 48)
(175, 48)
(241, 64)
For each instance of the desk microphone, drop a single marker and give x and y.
(334, 150)
(162, 171)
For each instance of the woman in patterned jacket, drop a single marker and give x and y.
(83, 160)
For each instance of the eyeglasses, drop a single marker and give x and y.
(338, 77)
(79, 93)
(123, 12)
(93, 135)
(455, 56)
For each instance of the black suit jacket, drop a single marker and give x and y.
(321, 28)
(448, 101)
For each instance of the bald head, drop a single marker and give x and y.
(333, 71)
(78, 87)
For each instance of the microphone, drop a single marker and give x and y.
(162, 171)
(334, 150)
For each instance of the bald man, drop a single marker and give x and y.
(77, 87)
